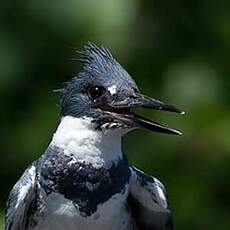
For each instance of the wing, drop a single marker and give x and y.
(148, 203)
(21, 201)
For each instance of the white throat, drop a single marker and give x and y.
(78, 138)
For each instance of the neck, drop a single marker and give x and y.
(79, 139)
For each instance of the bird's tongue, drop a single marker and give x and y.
(127, 113)
(124, 112)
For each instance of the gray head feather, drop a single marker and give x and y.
(99, 69)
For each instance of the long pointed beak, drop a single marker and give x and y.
(139, 100)
(148, 102)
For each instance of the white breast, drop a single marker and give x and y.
(78, 138)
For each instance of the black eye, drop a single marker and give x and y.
(95, 91)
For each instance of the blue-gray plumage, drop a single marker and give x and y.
(83, 180)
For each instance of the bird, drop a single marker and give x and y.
(83, 180)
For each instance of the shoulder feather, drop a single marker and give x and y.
(19, 201)
(148, 202)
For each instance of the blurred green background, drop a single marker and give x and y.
(177, 51)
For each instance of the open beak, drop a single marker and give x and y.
(122, 109)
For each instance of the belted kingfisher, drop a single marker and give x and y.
(83, 180)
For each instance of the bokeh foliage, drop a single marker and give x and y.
(177, 51)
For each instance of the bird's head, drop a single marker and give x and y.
(104, 92)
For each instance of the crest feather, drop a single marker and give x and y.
(95, 57)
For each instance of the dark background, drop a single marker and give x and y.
(177, 51)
